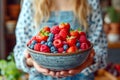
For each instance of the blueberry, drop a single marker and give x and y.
(50, 39)
(51, 35)
(78, 44)
(65, 47)
(50, 44)
(43, 42)
(31, 46)
(34, 42)
(55, 52)
(46, 43)
(53, 49)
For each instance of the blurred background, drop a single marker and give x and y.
(9, 12)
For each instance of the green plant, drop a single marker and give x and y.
(8, 69)
(113, 15)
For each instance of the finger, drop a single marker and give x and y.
(91, 55)
(52, 73)
(29, 62)
(46, 74)
(64, 73)
(74, 71)
(39, 68)
(57, 74)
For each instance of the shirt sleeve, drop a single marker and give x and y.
(97, 36)
(24, 30)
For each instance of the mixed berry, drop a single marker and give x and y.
(59, 39)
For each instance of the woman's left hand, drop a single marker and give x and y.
(76, 70)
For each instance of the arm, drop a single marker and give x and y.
(97, 36)
(24, 31)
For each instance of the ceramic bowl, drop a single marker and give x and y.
(58, 61)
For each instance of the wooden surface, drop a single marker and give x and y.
(114, 45)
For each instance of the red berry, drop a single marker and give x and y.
(60, 50)
(46, 28)
(37, 47)
(57, 36)
(44, 48)
(71, 41)
(72, 49)
(38, 39)
(88, 42)
(63, 33)
(83, 38)
(84, 46)
(75, 33)
(65, 26)
(82, 33)
(57, 43)
(55, 30)
(117, 67)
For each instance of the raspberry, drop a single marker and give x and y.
(57, 43)
(84, 46)
(37, 47)
(60, 50)
(63, 33)
(57, 36)
(44, 48)
(83, 38)
(55, 30)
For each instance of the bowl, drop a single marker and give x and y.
(59, 61)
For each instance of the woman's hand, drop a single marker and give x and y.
(77, 70)
(60, 74)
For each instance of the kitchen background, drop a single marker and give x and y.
(9, 11)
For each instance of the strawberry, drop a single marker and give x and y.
(71, 41)
(83, 39)
(57, 43)
(37, 47)
(117, 67)
(63, 33)
(82, 33)
(44, 48)
(84, 46)
(55, 30)
(38, 39)
(43, 35)
(60, 50)
(75, 33)
(72, 49)
(46, 28)
(65, 26)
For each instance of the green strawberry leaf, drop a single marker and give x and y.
(79, 29)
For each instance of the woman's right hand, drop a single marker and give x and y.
(31, 63)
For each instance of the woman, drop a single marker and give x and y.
(80, 14)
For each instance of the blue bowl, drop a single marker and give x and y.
(58, 61)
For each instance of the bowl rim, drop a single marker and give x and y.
(59, 54)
